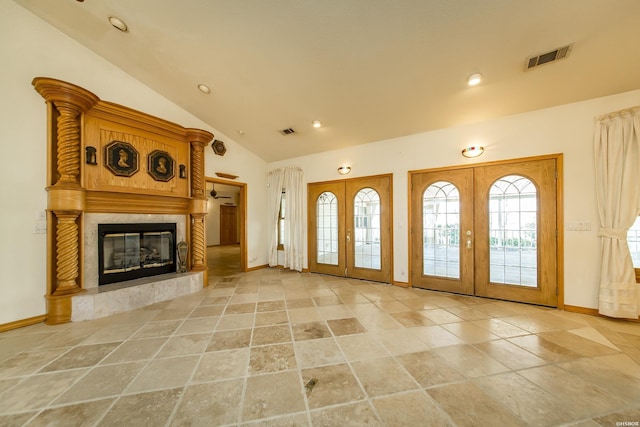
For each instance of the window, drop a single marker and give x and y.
(281, 214)
(633, 239)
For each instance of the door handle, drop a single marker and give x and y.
(468, 243)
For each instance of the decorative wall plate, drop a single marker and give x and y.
(218, 147)
(161, 166)
(121, 158)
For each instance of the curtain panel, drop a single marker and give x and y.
(617, 168)
(290, 181)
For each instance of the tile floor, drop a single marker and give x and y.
(279, 348)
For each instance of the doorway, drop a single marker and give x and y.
(226, 227)
(350, 228)
(488, 230)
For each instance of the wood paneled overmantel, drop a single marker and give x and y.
(84, 175)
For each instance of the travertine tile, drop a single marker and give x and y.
(383, 376)
(164, 373)
(79, 414)
(361, 347)
(510, 354)
(185, 344)
(271, 335)
(319, 352)
(429, 369)
(225, 340)
(80, 357)
(37, 391)
(260, 401)
(310, 331)
(272, 358)
(410, 409)
(330, 385)
(349, 415)
(135, 350)
(271, 318)
(578, 398)
(223, 364)
(144, 409)
(102, 381)
(349, 326)
(511, 389)
(209, 404)
(468, 405)
(470, 361)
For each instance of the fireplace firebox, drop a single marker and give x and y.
(132, 251)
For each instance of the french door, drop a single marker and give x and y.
(350, 228)
(487, 230)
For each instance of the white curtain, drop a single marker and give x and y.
(617, 167)
(274, 188)
(293, 219)
(289, 180)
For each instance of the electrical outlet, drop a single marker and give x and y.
(40, 228)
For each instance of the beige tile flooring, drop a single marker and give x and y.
(279, 348)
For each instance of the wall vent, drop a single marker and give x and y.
(287, 131)
(545, 58)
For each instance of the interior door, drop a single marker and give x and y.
(350, 228)
(487, 230)
(228, 225)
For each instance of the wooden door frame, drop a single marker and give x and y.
(242, 217)
(558, 157)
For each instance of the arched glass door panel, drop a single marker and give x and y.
(513, 231)
(327, 229)
(441, 230)
(366, 221)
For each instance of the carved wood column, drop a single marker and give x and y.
(198, 139)
(66, 197)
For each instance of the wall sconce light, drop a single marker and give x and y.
(343, 170)
(473, 151)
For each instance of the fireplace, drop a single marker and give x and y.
(132, 251)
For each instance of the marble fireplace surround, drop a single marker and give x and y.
(99, 301)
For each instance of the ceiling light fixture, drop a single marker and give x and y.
(118, 24)
(474, 79)
(473, 151)
(316, 124)
(204, 88)
(343, 170)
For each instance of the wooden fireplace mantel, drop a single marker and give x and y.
(107, 158)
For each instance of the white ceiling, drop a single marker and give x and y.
(368, 69)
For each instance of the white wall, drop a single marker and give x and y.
(29, 48)
(565, 129)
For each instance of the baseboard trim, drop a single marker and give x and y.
(22, 323)
(257, 267)
(592, 312)
(401, 284)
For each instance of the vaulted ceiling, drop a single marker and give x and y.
(367, 69)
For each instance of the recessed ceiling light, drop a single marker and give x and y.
(204, 88)
(118, 24)
(316, 124)
(474, 79)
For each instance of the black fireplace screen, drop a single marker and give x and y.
(131, 251)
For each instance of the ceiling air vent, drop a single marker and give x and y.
(287, 131)
(545, 58)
